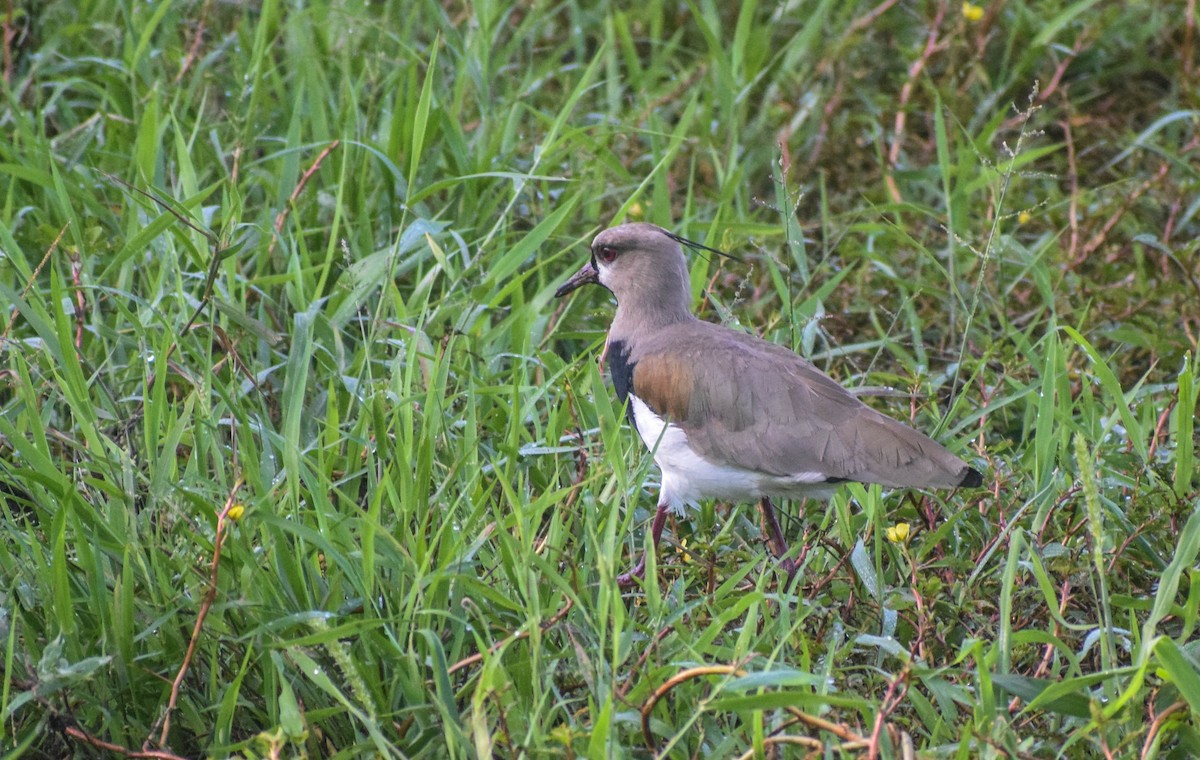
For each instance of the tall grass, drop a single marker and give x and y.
(299, 455)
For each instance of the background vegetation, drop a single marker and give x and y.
(299, 456)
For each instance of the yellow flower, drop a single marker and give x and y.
(1024, 217)
(972, 12)
(687, 558)
(898, 533)
(636, 210)
(235, 512)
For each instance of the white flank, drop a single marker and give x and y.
(688, 477)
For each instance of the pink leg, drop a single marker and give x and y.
(633, 576)
(775, 537)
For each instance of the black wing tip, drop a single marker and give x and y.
(971, 478)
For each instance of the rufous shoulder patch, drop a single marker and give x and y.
(665, 384)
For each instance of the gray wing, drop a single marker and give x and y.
(752, 404)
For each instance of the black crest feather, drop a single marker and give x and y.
(699, 246)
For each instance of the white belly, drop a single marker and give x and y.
(688, 477)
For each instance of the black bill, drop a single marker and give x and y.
(586, 276)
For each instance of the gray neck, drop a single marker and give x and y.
(652, 312)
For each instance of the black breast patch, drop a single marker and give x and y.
(621, 370)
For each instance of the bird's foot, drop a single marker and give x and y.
(634, 576)
(789, 566)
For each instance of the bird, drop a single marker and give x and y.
(728, 415)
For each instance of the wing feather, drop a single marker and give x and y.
(746, 402)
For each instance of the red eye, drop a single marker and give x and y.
(607, 254)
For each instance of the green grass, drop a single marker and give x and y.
(337, 316)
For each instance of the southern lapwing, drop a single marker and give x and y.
(731, 416)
